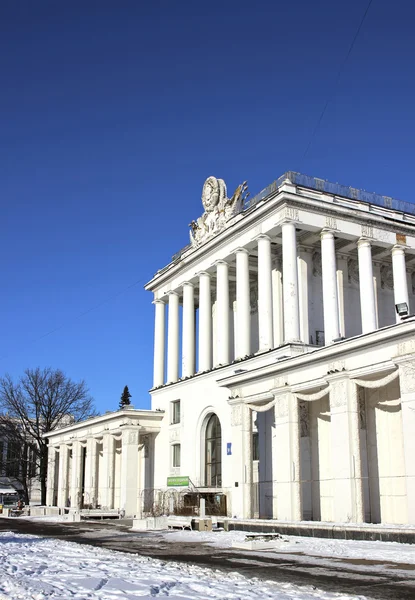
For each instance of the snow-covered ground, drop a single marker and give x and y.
(383, 552)
(35, 568)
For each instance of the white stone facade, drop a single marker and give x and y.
(104, 462)
(284, 379)
(282, 323)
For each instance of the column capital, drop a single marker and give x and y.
(364, 242)
(188, 283)
(158, 301)
(203, 273)
(327, 233)
(173, 293)
(241, 250)
(398, 249)
(221, 261)
(262, 236)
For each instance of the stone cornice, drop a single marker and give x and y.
(257, 214)
(133, 414)
(391, 333)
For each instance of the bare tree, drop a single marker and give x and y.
(40, 401)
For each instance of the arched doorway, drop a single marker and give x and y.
(213, 452)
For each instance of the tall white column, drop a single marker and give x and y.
(329, 278)
(188, 344)
(51, 483)
(341, 278)
(243, 305)
(107, 484)
(222, 306)
(265, 325)
(63, 492)
(75, 483)
(400, 282)
(367, 291)
(407, 387)
(173, 338)
(304, 264)
(159, 337)
(247, 454)
(129, 491)
(277, 304)
(290, 283)
(205, 323)
(90, 493)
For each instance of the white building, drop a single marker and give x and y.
(284, 378)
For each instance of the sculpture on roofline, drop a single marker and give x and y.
(219, 209)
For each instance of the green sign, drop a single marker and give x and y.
(177, 481)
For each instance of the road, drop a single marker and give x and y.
(372, 579)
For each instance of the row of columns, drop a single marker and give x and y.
(282, 317)
(346, 452)
(65, 483)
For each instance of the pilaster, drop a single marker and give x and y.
(345, 451)
(129, 471)
(304, 273)
(407, 387)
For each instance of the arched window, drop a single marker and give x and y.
(213, 453)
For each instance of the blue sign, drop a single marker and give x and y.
(229, 448)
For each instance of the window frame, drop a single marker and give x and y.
(176, 448)
(175, 407)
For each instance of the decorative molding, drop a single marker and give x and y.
(317, 268)
(331, 222)
(292, 213)
(386, 277)
(219, 209)
(281, 406)
(353, 271)
(304, 419)
(146, 445)
(253, 297)
(407, 347)
(367, 231)
(236, 416)
(174, 434)
(338, 393)
(361, 404)
(336, 366)
(407, 377)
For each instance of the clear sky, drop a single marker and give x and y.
(112, 115)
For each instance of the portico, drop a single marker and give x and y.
(290, 338)
(103, 462)
(304, 264)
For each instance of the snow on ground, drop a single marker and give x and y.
(388, 552)
(36, 568)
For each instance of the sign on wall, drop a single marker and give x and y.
(177, 481)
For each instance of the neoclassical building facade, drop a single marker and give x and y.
(284, 365)
(278, 324)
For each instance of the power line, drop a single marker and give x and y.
(339, 73)
(83, 313)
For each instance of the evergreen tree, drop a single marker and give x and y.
(125, 398)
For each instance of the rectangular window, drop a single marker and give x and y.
(176, 455)
(175, 412)
(255, 446)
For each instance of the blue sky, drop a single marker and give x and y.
(112, 115)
